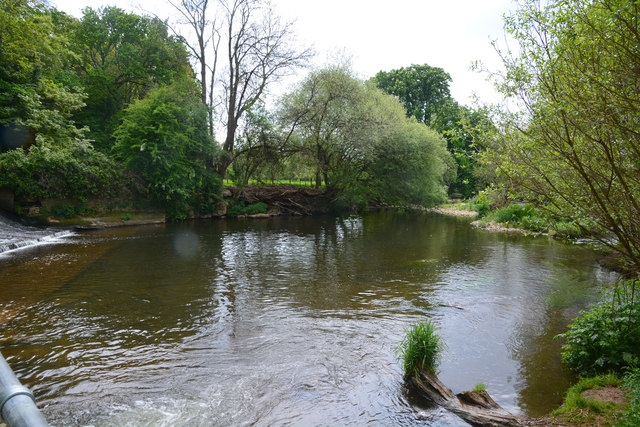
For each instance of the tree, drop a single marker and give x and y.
(363, 145)
(410, 168)
(574, 147)
(164, 138)
(323, 111)
(195, 14)
(260, 50)
(35, 104)
(423, 90)
(121, 56)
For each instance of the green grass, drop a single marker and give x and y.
(421, 348)
(582, 410)
(480, 387)
(632, 390)
(296, 182)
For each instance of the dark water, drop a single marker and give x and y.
(287, 321)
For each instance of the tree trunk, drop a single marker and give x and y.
(476, 408)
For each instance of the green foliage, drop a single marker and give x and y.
(480, 387)
(574, 404)
(164, 139)
(420, 348)
(631, 418)
(607, 337)
(573, 143)
(236, 209)
(63, 211)
(119, 57)
(479, 206)
(33, 99)
(256, 208)
(362, 144)
(424, 92)
(72, 172)
(408, 168)
(252, 209)
(422, 89)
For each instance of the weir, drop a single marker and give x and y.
(15, 235)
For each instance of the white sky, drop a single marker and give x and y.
(385, 35)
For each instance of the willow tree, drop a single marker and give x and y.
(361, 142)
(574, 146)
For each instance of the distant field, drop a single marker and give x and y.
(298, 182)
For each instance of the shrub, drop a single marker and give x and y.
(632, 387)
(607, 337)
(75, 171)
(421, 348)
(164, 139)
(235, 210)
(63, 211)
(256, 208)
(480, 387)
(479, 206)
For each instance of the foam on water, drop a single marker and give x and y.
(15, 236)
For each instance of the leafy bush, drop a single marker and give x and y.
(72, 172)
(256, 208)
(421, 348)
(63, 211)
(235, 210)
(164, 139)
(479, 206)
(607, 337)
(632, 386)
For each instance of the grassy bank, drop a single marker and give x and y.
(520, 216)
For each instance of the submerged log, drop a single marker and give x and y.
(476, 408)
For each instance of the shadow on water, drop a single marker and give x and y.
(289, 320)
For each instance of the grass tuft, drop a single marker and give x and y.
(421, 348)
(480, 387)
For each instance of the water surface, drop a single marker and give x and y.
(287, 321)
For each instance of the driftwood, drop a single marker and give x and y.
(285, 199)
(476, 408)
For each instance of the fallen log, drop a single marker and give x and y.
(476, 408)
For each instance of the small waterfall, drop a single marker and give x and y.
(15, 235)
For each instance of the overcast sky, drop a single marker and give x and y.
(385, 35)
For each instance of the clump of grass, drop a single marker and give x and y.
(480, 387)
(580, 409)
(420, 348)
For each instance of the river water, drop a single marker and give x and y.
(287, 321)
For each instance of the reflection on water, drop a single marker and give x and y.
(288, 320)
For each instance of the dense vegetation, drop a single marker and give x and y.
(111, 99)
(108, 106)
(570, 149)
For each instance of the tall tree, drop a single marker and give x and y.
(35, 104)
(423, 90)
(121, 56)
(163, 137)
(363, 145)
(195, 15)
(260, 50)
(575, 145)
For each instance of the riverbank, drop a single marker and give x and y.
(588, 403)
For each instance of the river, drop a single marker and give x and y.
(287, 321)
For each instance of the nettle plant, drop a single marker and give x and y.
(607, 338)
